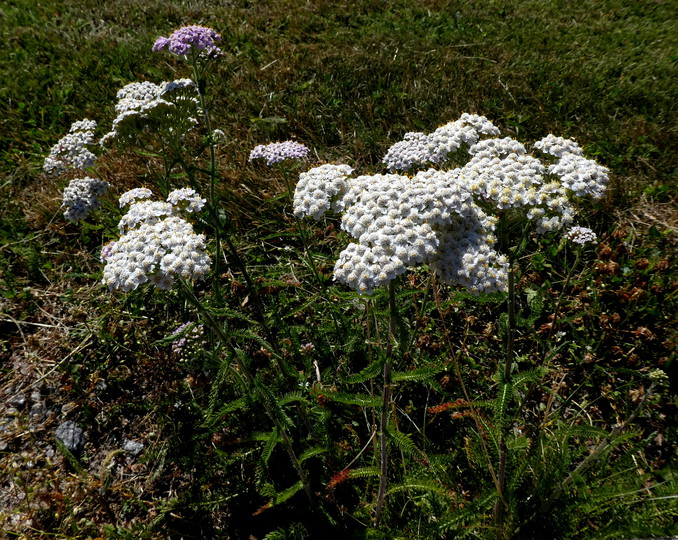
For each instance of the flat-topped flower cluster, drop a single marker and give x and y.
(169, 109)
(157, 244)
(199, 39)
(277, 152)
(71, 151)
(446, 216)
(82, 195)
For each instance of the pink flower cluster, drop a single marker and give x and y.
(181, 41)
(279, 151)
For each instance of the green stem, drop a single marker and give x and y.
(386, 401)
(502, 505)
(213, 167)
(562, 294)
(457, 371)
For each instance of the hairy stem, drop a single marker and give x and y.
(385, 404)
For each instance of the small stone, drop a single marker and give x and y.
(132, 447)
(38, 412)
(70, 434)
(18, 401)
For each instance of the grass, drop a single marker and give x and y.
(347, 80)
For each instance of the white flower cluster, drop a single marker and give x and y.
(145, 212)
(82, 195)
(450, 137)
(580, 175)
(412, 151)
(321, 189)
(439, 217)
(558, 146)
(490, 148)
(467, 256)
(134, 195)
(517, 181)
(397, 221)
(169, 106)
(71, 152)
(418, 149)
(581, 235)
(186, 199)
(156, 245)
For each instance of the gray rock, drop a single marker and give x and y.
(70, 434)
(37, 413)
(18, 401)
(132, 447)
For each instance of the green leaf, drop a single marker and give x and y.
(369, 372)
(271, 442)
(404, 442)
(362, 400)
(502, 402)
(423, 484)
(312, 452)
(421, 374)
(364, 472)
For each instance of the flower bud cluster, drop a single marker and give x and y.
(191, 338)
(187, 38)
(156, 245)
(169, 107)
(321, 189)
(279, 151)
(82, 195)
(71, 152)
(581, 235)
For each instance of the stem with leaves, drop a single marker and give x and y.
(386, 402)
(244, 370)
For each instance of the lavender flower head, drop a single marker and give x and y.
(191, 336)
(581, 235)
(106, 251)
(184, 39)
(279, 151)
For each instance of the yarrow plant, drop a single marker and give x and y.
(581, 235)
(279, 151)
(71, 151)
(168, 109)
(194, 39)
(82, 195)
(447, 218)
(157, 243)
